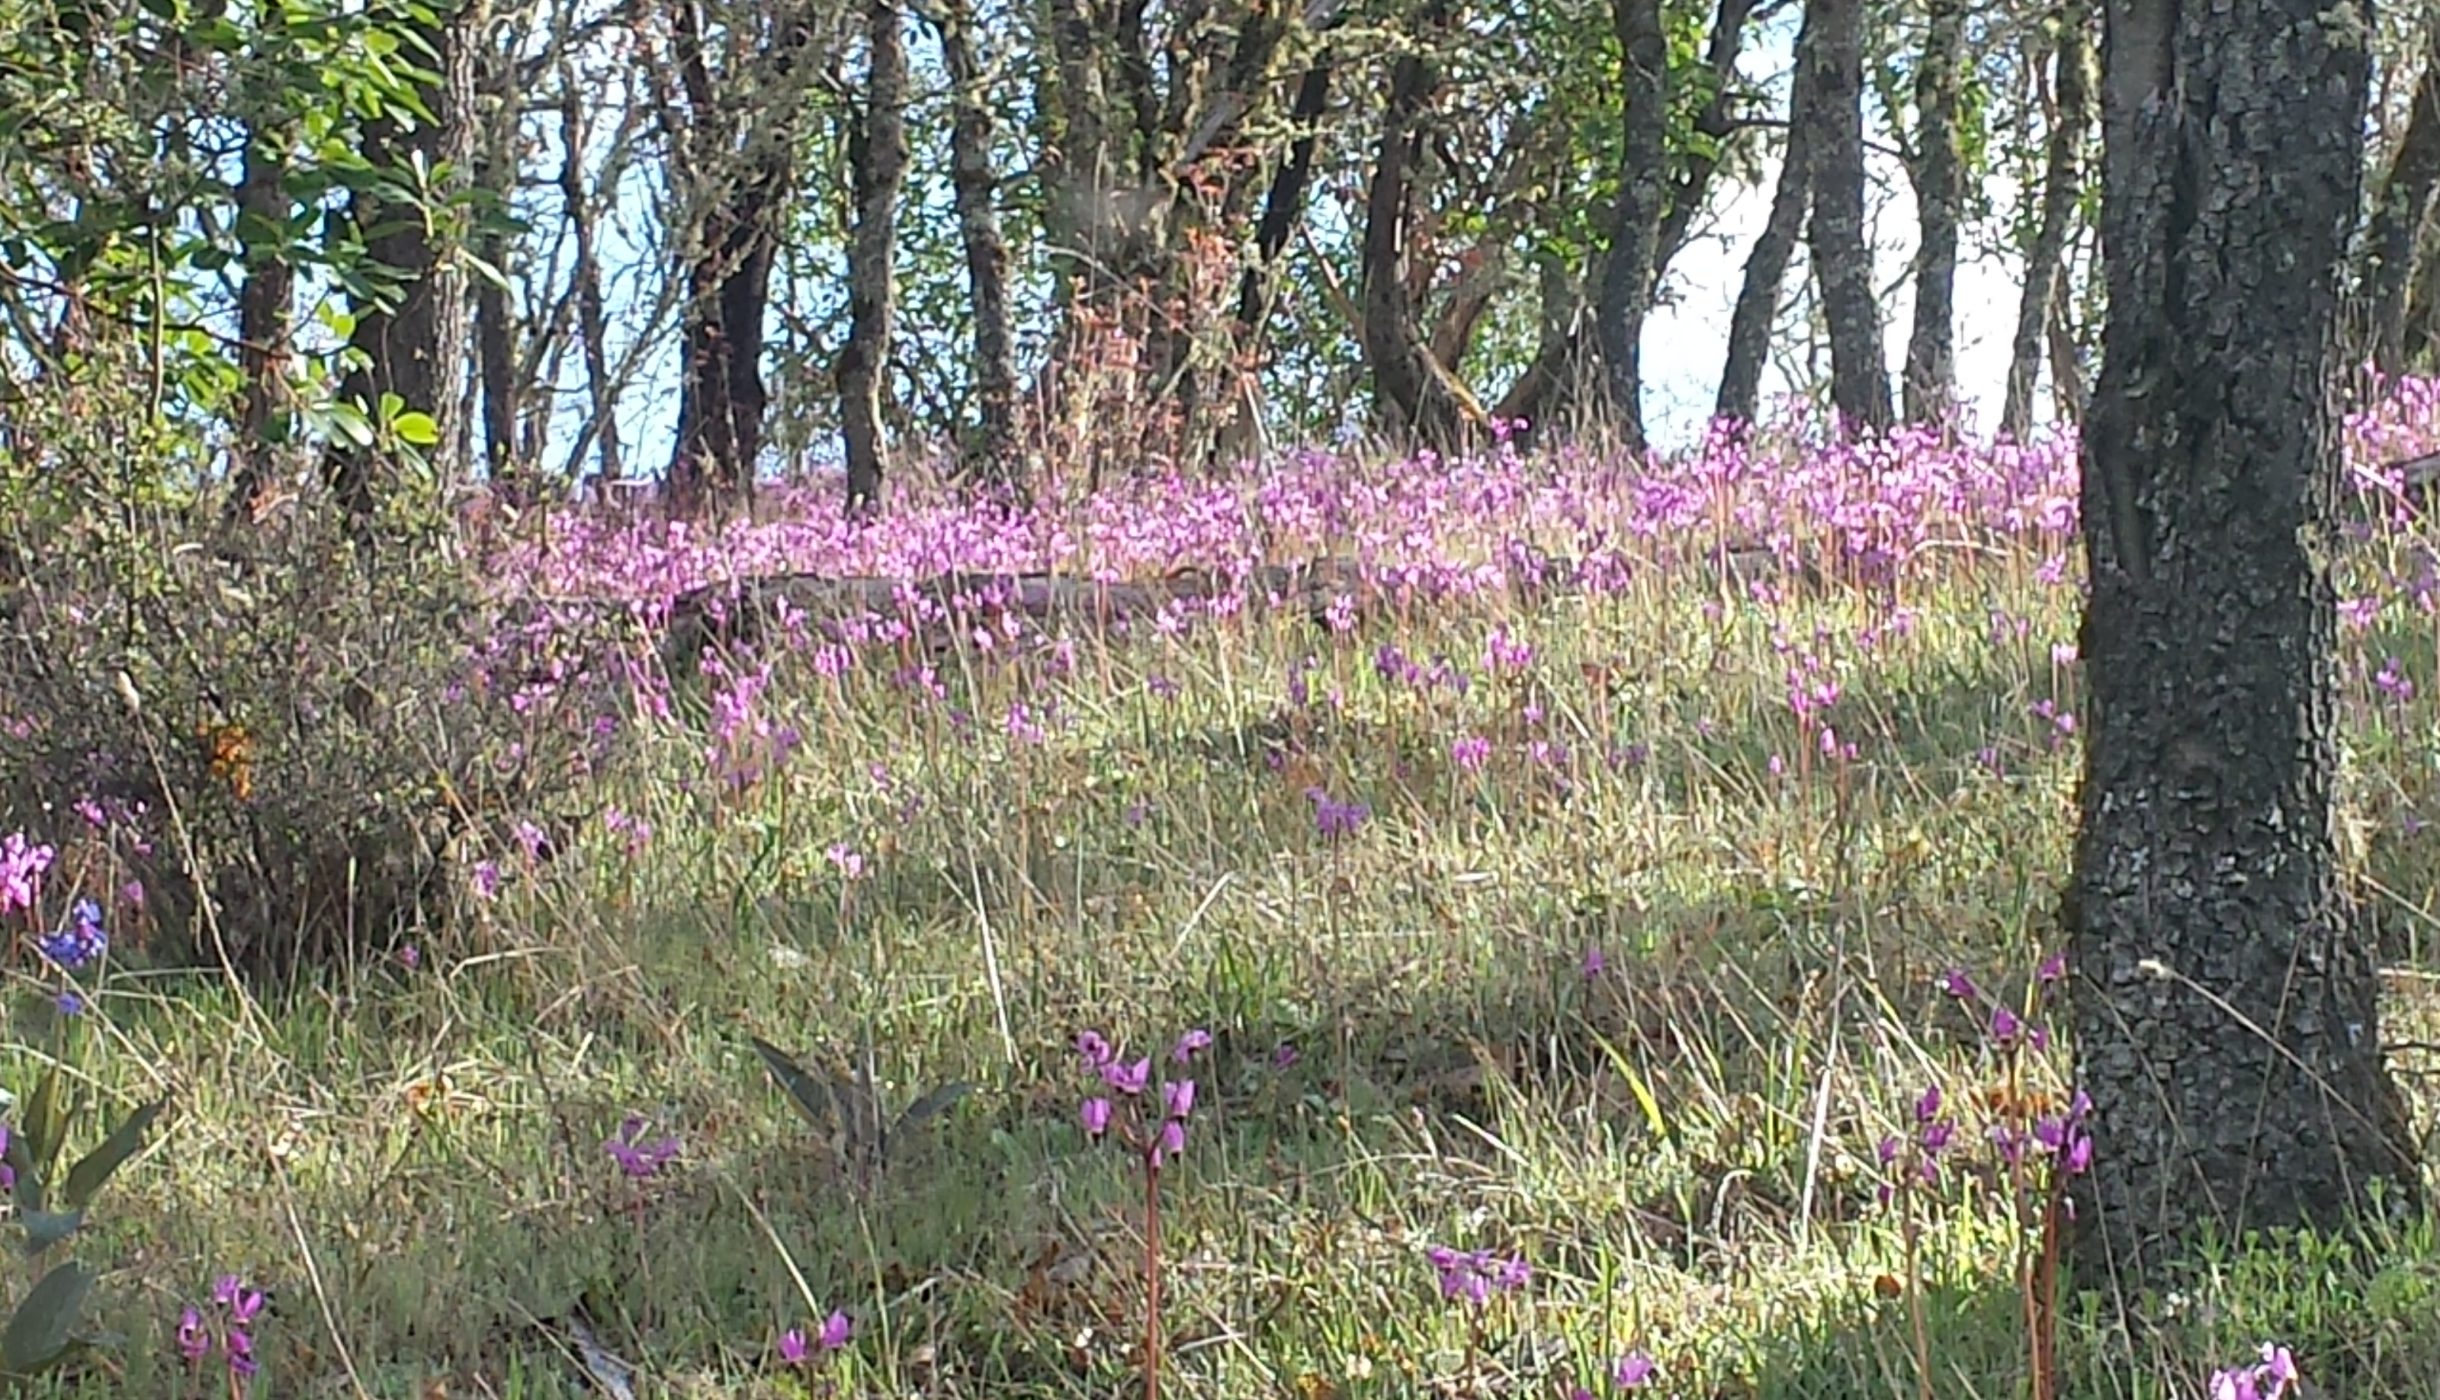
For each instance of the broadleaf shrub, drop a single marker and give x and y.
(280, 730)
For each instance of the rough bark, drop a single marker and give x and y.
(1842, 254)
(2401, 205)
(495, 176)
(1084, 217)
(2071, 118)
(738, 132)
(1415, 394)
(2422, 331)
(877, 160)
(586, 276)
(721, 397)
(1766, 268)
(2226, 1011)
(266, 312)
(1625, 297)
(2069, 393)
(1547, 393)
(976, 191)
(413, 345)
(1285, 204)
(1929, 381)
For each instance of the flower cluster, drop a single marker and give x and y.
(21, 865)
(1132, 1081)
(1334, 819)
(82, 942)
(1475, 1275)
(228, 1328)
(2271, 1378)
(1629, 1372)
(1919, 1156)
(2025, 1126)
(639, 1157)
(795, 1350)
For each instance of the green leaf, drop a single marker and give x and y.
(45, 1125)
(45, 1228)
(810, 1095)
(37, 1337)
(416, 428)
(486, 270)
(29, 1181)
(91, 1171)
(352, 424)
(929, 1107)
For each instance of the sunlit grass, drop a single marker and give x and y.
(1682, 1145)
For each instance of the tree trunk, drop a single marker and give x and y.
(1080, 170)
(1285, 204)
(495, 176)
(2422, 329)
(976, 190)
(2068, 392)
(1766, 268)
(2401, 203)
(1717, 124)
(266, 313)
(721, 395)
(1547, 393)
(740, 135)
(1415, 394)
(2071, 117)
(1627, 273)
(2226, 1011)
(877, 158)
(414, 346)
(587, 278)
(1930, 380)
(1842, 255)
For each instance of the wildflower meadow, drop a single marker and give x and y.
(1539, 924)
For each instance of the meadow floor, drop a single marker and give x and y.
(1606, 933)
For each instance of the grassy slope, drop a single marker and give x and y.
(1682, 1145)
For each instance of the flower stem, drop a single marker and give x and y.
(1152, 1280)
(1914, 1300)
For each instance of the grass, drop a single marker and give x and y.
(1682, 1145)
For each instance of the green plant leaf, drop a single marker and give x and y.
(20, 1159)
(811, 1097)
(929, 1107)
(352, 424)
(45, 1125)
(92, 1170)
(45, 1228)
(38, 1335)
(416, 428)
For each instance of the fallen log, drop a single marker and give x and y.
(940, 610)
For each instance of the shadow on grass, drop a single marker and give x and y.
(1681, 1143)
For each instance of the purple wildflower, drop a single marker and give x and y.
(1632, 1370)
(1128, 1079)
(21, 864)
(641, 1160)
(836, 1329)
